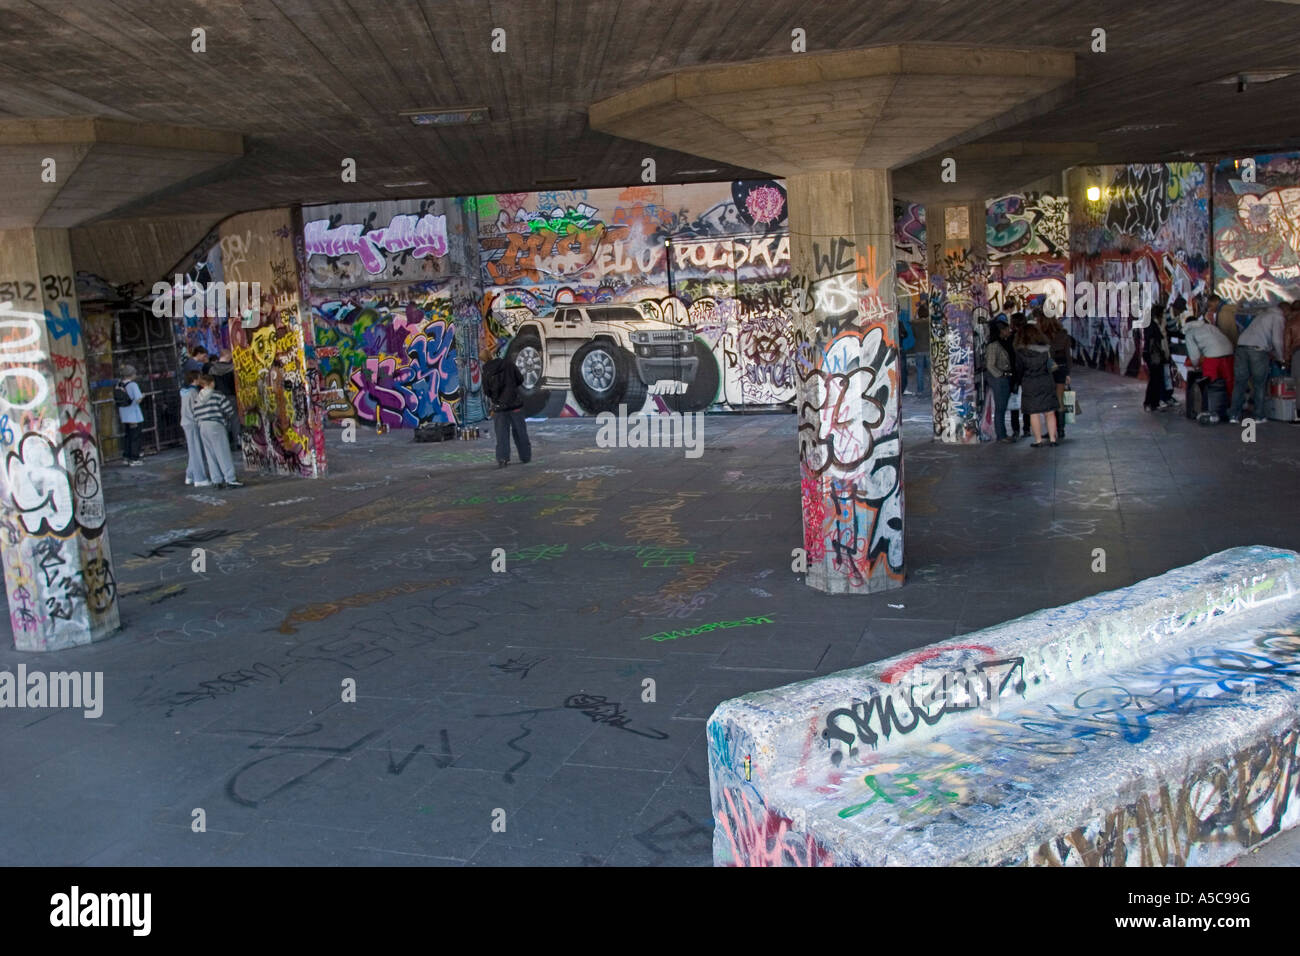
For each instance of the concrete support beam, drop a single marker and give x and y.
(846, 333)
(959, 311)
(57, 562)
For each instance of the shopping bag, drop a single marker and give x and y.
(1013, 404)
(1071, 403)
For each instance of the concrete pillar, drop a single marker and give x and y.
(57, 563)
(846, 333)
(959, 300)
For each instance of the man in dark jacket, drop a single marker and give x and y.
(502, 381)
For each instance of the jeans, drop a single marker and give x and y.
(195, 470)
(1001, 395)
(1155, 385)
(132, 441)
(505, 423)
(216, 445)
(922, 372)
(1251, 368)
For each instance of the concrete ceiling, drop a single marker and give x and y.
(875, 107)
(63, 172)
(309, 83)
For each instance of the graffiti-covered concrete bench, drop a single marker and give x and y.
(1154, 725)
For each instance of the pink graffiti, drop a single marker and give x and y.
(764, 204)
(765, 838)
(424, 236)
(814, 516)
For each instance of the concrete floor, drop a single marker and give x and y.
(224, 689)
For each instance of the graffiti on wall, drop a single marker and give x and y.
(1151, 224)
(1032, 224)
(702, 268)
(388, 356)
(1257, 230)
(353, 244)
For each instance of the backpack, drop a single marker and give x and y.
(121, 398)
(494, 382)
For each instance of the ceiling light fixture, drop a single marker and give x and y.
(413, 182)
(695, 172)
(456, 116)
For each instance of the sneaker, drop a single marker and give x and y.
(233, 484)
(202, 484)
(189, 480)
(135, 462)
(1233, 420)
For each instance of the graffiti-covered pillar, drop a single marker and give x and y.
(846, 332)
(959, 299)
(280, 424)
(57, 563)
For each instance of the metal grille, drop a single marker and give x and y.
(146, 341)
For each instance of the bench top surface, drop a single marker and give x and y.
(990, 777)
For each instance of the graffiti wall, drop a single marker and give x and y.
(394, 297)
(1150, 223)
(667, 297)
(1029, 251)
(57, 561)
(280, 425)
(1257, 229)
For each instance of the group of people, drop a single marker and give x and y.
(1028, 355)
(208, 420)
(1218, 350)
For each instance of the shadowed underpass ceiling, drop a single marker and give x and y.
(308, 84)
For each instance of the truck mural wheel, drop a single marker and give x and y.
(525, 351)
(603, 376)
(703, 391)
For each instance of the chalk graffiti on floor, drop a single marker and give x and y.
(706, 628)
(322, 610)
(519, 665)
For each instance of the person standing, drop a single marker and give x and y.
(1224, 315)
(998, 367)
(1059, 342)
(127, 396)
(196, 470)
(1257, 346)
(211, 411)
(1208, 350)
(502, 381)
(1018, 323)
(1155, 350)
(1291, 337)
(222, 371)
(921, 349)
(1038, 400)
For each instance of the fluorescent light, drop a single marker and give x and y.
(695, 172)
(456, 116)
(413, 182)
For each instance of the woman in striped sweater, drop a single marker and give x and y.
(211, 411)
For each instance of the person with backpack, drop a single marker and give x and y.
(127, 397)
(502, 382)
(211, 411)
